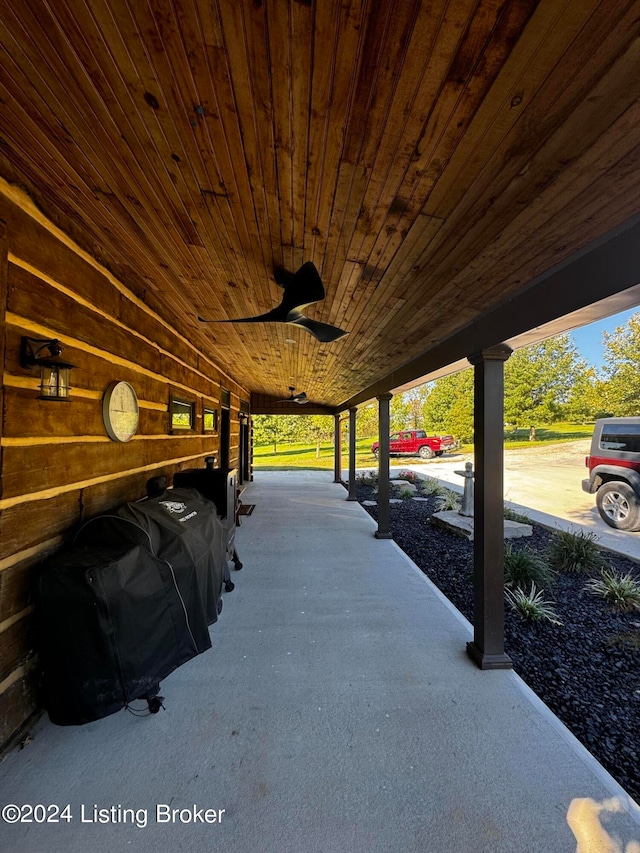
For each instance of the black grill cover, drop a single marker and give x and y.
(128, 603)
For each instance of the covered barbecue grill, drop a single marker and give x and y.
(219, 485)
(128, 603)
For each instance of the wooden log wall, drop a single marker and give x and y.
(58, 467)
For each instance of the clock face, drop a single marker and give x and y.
(120, 411)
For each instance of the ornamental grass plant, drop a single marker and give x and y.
(523, 566)
(620, 591)
(575, 552)
(430, 487)
(531, 606)
(448, 500)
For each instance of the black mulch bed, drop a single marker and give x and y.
(587, 670)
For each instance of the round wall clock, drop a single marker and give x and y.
(120, 411)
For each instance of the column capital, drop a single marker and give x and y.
(385, 396)
(499, 352)
(353, 410)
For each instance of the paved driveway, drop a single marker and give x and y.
(547, 482)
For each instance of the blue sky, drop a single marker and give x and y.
(588, 339)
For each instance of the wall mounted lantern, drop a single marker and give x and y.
(54, 371)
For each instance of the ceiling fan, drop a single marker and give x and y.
(301, 288)
(295, 398)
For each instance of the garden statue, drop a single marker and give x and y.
(467, 495)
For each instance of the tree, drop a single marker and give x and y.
(274, 429)
(405, 412)
(588, 398)
(621, 374)
(415, 400)
(316, 428)
(538, 380)
(399, 413)
(449, 405)
(368, 419)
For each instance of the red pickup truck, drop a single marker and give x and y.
(415, 442)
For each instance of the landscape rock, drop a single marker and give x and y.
(402, 485)
(463, 525)
(587, 670)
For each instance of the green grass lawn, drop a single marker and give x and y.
(290, 456)
(550, 434)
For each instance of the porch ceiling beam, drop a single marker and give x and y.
(602, 269)
(262, 407)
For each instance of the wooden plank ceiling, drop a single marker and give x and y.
(430, 158)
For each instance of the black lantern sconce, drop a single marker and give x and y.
(54, 371)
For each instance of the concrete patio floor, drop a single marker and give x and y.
(337, 712)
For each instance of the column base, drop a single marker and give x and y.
(485, 661)
(352, 498)
(379, 534)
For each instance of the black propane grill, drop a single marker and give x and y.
(218, 485)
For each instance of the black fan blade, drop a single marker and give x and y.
(323, 332)
(303, 288)
(290, 398)
(295, 398)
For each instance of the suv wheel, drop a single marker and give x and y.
(618, 505)
(376, 452)
(425, 452)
